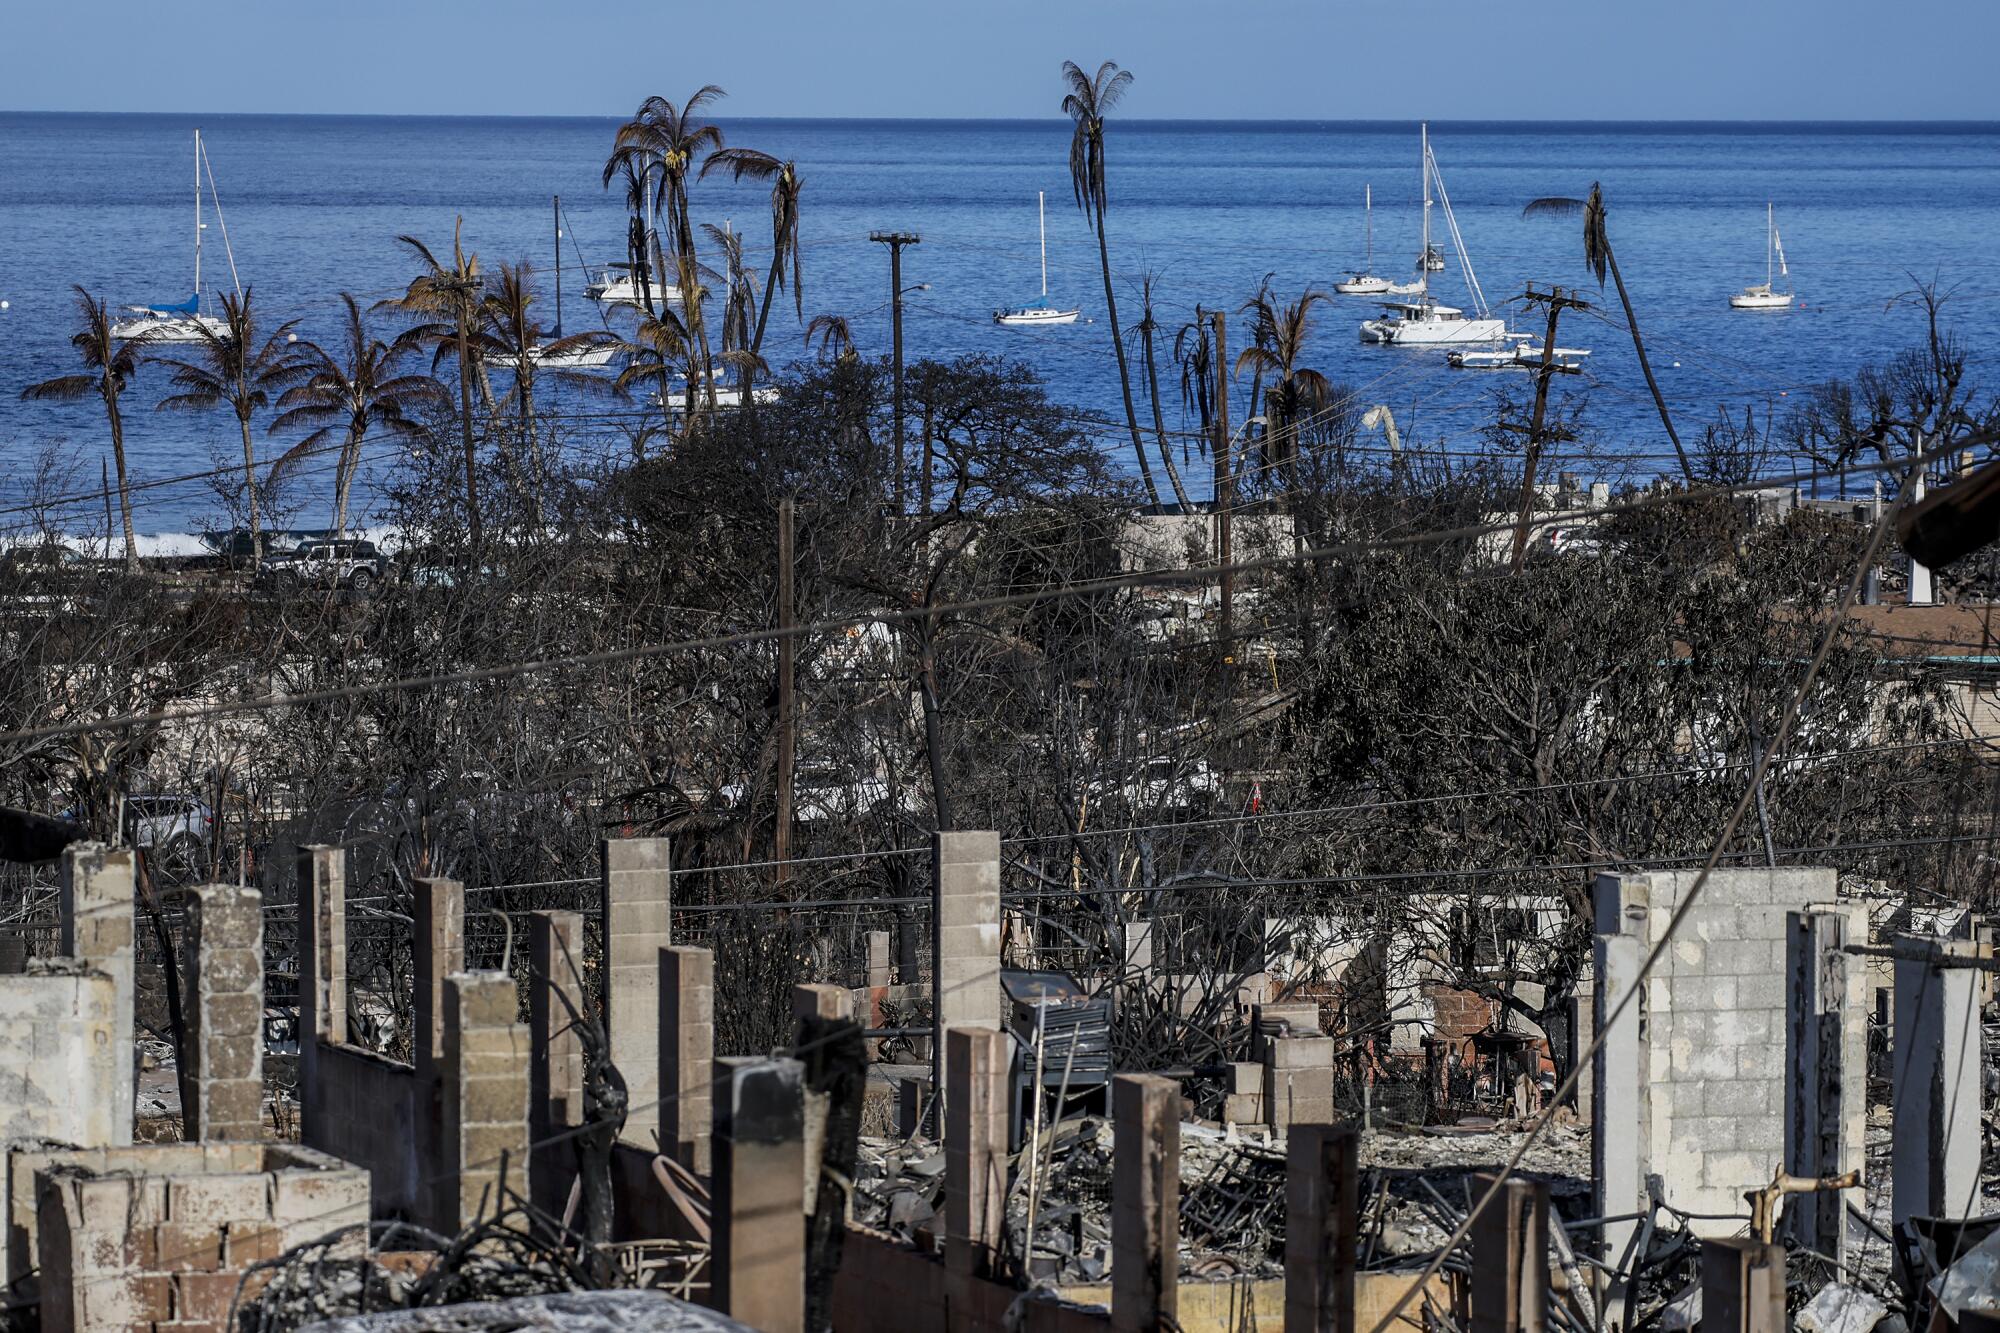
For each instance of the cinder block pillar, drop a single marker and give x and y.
(757, 1216)
(1510, 1257)
(1825, 1075)
(224, 970)
(1583, 1026)
(1936, 1053)
(965, 968)
(687, 1053)
(555, 1066)
(95, 903)
(322, 894)
(635, 904)
(1145, 1202)
(975, 1150)
(1619, 1075)
(439, 927)
(1742, 1286)
(1322, 1202)
(878, 974)
(1298, 1081)
(485, 1098)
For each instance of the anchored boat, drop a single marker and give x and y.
(1365, 283)
(182, 321)
(1764, 295)
(1039, 312)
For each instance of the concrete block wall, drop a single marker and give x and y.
(1298, 1082)
(160, 1236)
(1712, 1063)
(556, 1002)
(636, 900)
(63, 1075)
(484, 1099)
(967, 942)
(95, 901)
(224, 944)
(687, 1054)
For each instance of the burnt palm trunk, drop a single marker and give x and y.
(1160, 421)
(117, 421)
(1639, 346)
(250, 482)
(1124, 371)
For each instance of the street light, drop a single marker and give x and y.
(896, 240)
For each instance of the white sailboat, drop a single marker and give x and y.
(1425, 322)
(1365, 283)
(1040, 313)
(1764, 295)
(182, 321)
(546, 356)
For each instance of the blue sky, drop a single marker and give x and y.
(1294, 59)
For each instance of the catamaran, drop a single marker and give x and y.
(1425, 322)
(1764, 296)
(1365, 283)
(182, 321)
(1041, 312)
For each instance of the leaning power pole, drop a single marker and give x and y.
(896, 240)
(1556, 302)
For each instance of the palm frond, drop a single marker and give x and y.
(1555, 206)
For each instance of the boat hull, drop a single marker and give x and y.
(1761, 301)
(165, 332)
(1363, 286)
(1434, 332)
(1027, 319)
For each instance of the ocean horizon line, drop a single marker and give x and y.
(1368, 124)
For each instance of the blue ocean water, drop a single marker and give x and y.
(313, 206)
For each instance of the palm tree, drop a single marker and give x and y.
(654, 355)
(511, 333)
(344, 393)
(1088, 99)
(229, 369)
(835, 334)
(739, 310)
(1143, 332)
(1296, 390)
(109, 365)
(446, 300)
(785, 188)
(662, 141)
(1598, 255)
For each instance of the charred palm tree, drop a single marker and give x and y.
(1597, 254)
(1143, 333)
(785, 189)
(1296, 390)
(656, 353)
(739, 311)
(1088, 99)
(511, 334)
(835, 334)
(1194, 353)
(345, 392)
(639, 239)
(109, 365)
(231, 369)
(445, 298)
(662, 141)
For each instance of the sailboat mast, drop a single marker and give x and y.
(555, 217)
(1770, 229)
(1042, 217)
(1424, 169)
(1368, 210)
(197, 219)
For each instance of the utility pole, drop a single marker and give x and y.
(1556, 302)
(896, 240)
(781, 842)
(1225, 489)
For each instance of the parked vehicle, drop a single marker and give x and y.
(347, 563)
